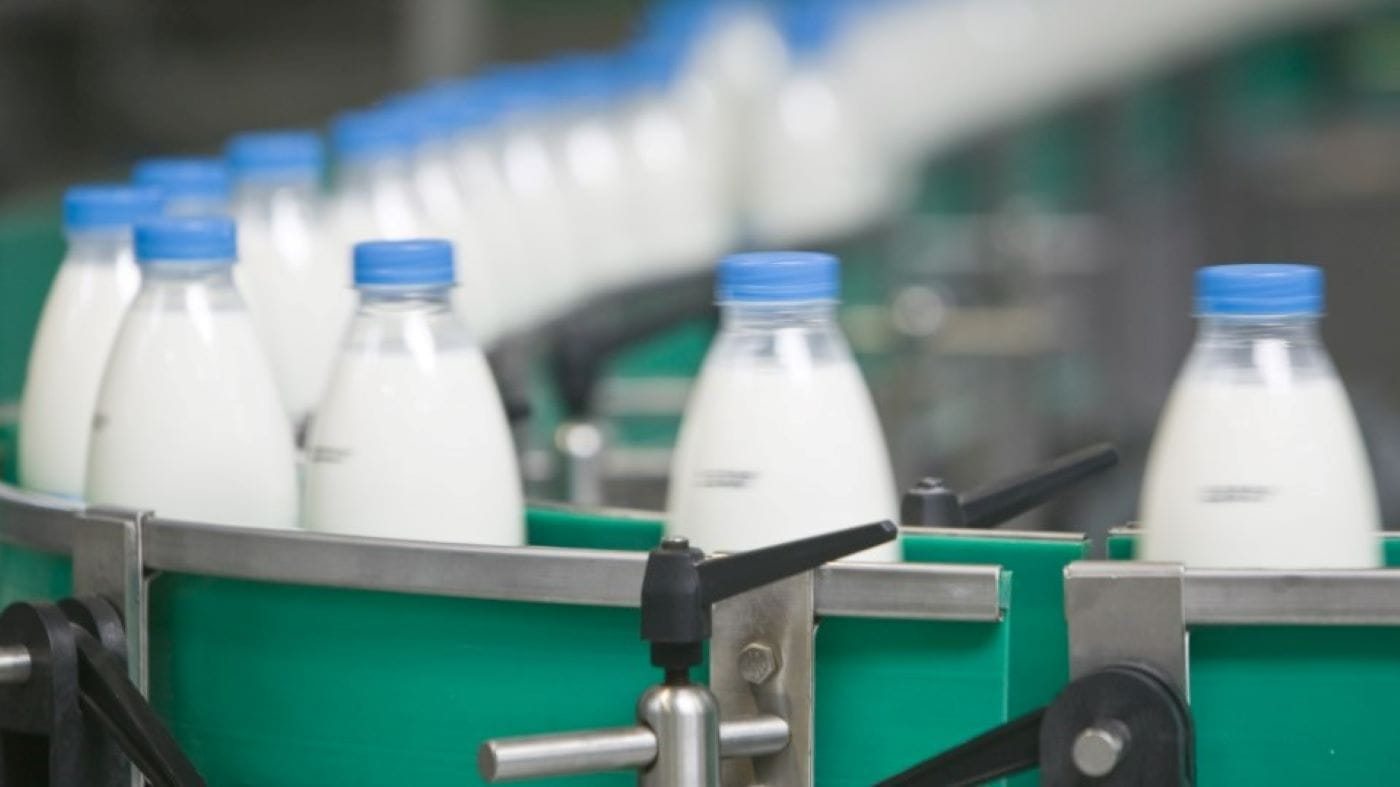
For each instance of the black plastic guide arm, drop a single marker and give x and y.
(585, 340)
(1119, 726)
(931, 503)
(679, 586)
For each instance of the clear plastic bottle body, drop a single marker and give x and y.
(780, 439)
(294, 283)
(1258, 461)
(412, 440)
(189, 421)
(94, 285)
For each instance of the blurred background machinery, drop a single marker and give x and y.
(1029, 293)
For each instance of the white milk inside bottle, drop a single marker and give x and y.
(1258, 461)
(491, 209)
(534, 182)
(683, 218)
(780, 439)
(817, 171)
(94, 285)
(436, 116)
(288, 272)
(593, 161)
(374, 195)
(188, 420)
(411, 440)
(191, 185)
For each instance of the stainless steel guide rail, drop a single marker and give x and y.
(920, 591)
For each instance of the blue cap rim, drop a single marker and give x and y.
(1246, 289)
(403, 263)
(201, 177)
(778, 276)
(204, 239)
(109, 206)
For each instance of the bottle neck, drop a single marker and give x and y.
(362, 172)
(105, 245)
(167, 273)
(398, 299)
(1245, 329)
(773, 315)
(268, 191)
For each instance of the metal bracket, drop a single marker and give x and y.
(107, 562)
(762, 654)
(1121, 611)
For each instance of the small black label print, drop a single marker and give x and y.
(1236, 493)
(727, 479)
(326, 454)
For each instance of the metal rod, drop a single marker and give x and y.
(537, 756)
(619, 748)
(15, 664)
(755, 737)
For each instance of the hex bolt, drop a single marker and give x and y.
(757, 662)
(1098, 749)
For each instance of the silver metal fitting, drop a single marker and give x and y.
(1098, 749)
(15, 664)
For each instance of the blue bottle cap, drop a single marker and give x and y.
(768, 276)
(109, 205)
(364, 133)
(187, 239)
(403, 262)
(275, 154)
(193, 177)
(1272, 288)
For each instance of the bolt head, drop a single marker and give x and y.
(1097, 750)
(757, 662)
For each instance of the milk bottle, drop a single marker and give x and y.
(596, 173)
(817, 171)
(94, 285)
(188, 420)
(492, 211)
(682, 217)
(1258, 461)
(534, 183)
(374, 196)
(780, 439)
(436, 118)
(411, 440)
(293, 283)
(193, 185)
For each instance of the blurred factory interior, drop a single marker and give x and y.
(1027, 290)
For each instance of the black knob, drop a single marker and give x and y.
(931, 503)
(679, 586)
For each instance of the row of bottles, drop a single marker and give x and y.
(183, 414)
(1257, 445)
